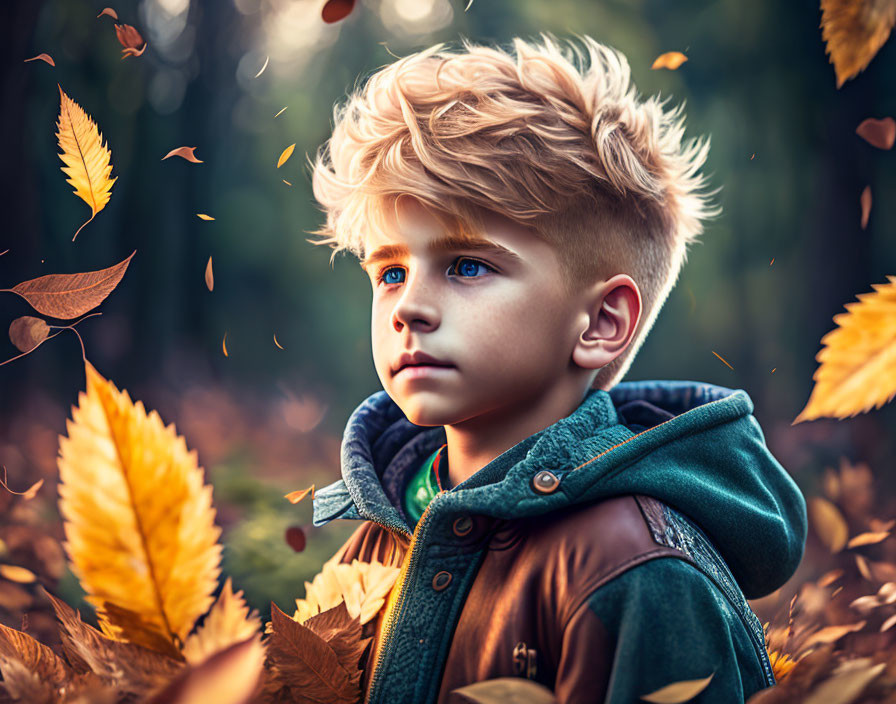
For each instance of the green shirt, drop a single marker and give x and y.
(425, 484)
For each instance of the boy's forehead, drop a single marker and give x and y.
(410, 226)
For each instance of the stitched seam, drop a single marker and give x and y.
(606, 576)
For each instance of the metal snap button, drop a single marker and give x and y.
(441, 580)
(545, 482)
(462, 526)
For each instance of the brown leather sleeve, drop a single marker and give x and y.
(586, 660)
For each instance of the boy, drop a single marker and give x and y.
(522, 220)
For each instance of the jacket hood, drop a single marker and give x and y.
(694, 446)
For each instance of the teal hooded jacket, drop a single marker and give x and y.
(696, 447)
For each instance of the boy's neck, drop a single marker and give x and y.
(476, 442)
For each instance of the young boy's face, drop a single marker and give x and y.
(500, 319)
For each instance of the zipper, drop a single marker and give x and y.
(393, 613)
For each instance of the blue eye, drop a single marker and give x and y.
(464, 265)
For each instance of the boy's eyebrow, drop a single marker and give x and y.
(446, 243)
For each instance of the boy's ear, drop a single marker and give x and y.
(612, 309)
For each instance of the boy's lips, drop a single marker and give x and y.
(418, 359)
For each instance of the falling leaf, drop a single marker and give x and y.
(29, 493)
(184, 153)
(230, 676)
(280, 113)
(865, 202)
(828, 523)
(130, 39)
(224, 344)
(869, 538)
(678, 691)
(469, 4)
(108, 11)
(864, 569)
(86, 158)
(670, 60)
(203, 216)
(878, 133)
(295, 538)
(847, 684)
(261, 70)
(229, 622)
(285, 155)
(14, 573)
(506, 690)
(335, 10)
(156, 553)
(888, 624)
(856, 371)
(209, 275)
(67, 296)
(854, 31)
(281, 347)
(42, 57)
(28, 332)
(295, 497)
(723, 361)
(286, 182)
(829, 578)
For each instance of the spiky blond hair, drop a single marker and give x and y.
(539, 135)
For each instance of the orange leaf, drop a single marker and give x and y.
(878, 133)
(209, 275)
(70, 295)
(230, 621)
(285, 155)
(86, 158)
(295, 496)
(828, 523)
(865, 201)
(28, 332)
(857, 369)
(224, 344)
(42, 57)
(670, 60)
(128, 36)
(335, 10)
(203, 216)
(277, 343)
(854, 31)
(869, 538)
(108, 11)
(832, 633)
(29, 493)
(184, 153)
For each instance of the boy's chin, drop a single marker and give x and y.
(427, 411)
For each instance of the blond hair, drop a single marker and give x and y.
(572, 152)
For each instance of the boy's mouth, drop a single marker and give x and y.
(418, 359)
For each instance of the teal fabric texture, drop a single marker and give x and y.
(694, 446)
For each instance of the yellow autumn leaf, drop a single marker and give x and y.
(203, 216)
(285, 155)
(228, 622)
(828, 522)
(854, 31)
(363, 586)
(14, 573)
(138, 519)
(86, 158)
(858, 365)
(670, 60)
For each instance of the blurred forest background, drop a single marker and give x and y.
(266, 420)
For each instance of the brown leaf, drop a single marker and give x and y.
(335, 10)
(34, 655)
(128, 36)
(506, 690)
(70, 295)
(28, 332)
(42, 57)
(229, 622)
(131, 667)
(209, 275)
(829, 578)
(230, 676)
(23, 684)
(295, 538)
(133, 52)
(308, 665)
(865, 202)
(878, 133)
(13, 597)
(832, 633)
(342, 633)
(847, 682)
(108, 11)
(854, 31)
(670, 60)
(184, 153)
